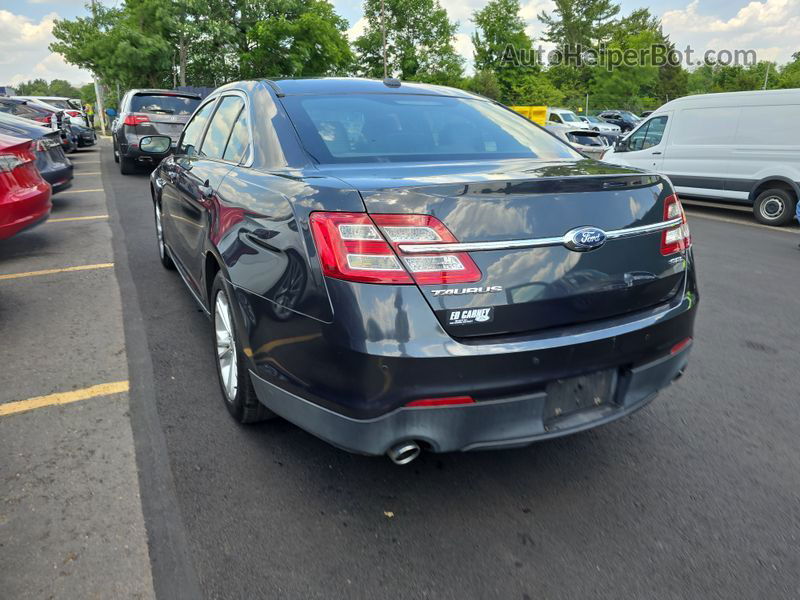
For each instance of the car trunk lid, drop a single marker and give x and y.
(508, 209)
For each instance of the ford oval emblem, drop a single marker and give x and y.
(584, 239)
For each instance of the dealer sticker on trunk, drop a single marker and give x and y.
(468, 316)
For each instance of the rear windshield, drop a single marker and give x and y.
(57, 103)
(585, 138)
(164, 105)
(568, 116)
(357, 128)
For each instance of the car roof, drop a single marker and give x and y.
(359, 85)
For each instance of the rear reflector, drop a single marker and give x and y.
(451, 401)
(136, 119)
(679, 238)
(357, 247)
(680, 345)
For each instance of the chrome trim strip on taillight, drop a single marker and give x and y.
(616, 234)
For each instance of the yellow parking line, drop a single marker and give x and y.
(103, 389)
(52, 271)
(63, 219)
(78, 174)
(81, 191)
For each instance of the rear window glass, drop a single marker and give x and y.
(57, 103)
(164, 105)
(386, 127)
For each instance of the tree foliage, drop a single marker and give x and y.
(419, 40)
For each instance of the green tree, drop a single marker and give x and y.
(35, 87)
(419, 39)
(486, 84)
(536, 89)
(308, 38)
(580, 23)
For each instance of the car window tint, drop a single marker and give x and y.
(655, 131)
(239, 141)
(219, 130)
(194, 129)
(164, 105)
(357, 128)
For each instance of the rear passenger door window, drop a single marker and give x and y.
(239, 142)
(221, 126)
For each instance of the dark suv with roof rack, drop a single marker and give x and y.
(148, 112)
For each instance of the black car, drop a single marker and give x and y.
(403, 266)
(55, 167)
(148, 112)
(624, 119)
(84, 136)
(27, 110)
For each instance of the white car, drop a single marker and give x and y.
(76, 115)
(591, 143)
(740, 147)
(564, 116)
(598, 124)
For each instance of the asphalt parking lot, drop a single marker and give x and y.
(696, 496)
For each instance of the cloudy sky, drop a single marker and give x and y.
(770, 27)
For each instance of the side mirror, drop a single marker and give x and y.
(620, 145)
(155, 144)
(111, 112)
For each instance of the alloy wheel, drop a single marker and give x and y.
(226, 346)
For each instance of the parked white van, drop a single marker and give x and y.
(741, 147)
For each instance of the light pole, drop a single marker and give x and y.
(98, 92)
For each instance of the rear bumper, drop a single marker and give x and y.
(501, 423)
(58, 175)
(24, 210)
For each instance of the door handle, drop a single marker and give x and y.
(655, 152)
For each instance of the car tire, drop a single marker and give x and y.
(116, 153)
(234, 377)
(163, 254)
(774, 207)
(126, 166)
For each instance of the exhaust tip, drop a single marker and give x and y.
(404, 452)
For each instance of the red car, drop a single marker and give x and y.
(24, 195)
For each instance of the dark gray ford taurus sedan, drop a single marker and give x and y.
(396, 267)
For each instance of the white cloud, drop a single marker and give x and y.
(757, 25)
(357, 29)
(24, 54)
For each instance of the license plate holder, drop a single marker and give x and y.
(570, 395)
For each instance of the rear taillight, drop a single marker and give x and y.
(9, 162)
(45, 119)
(355, 247)
(426, 269)
(678, 238)
(136, 119)
(73, 113)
